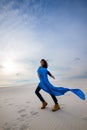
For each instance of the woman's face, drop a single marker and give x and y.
(42, 63)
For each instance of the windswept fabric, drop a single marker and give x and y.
(57, 91)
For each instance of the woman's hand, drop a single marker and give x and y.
(53, 77)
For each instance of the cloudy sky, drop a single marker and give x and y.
(33, 29)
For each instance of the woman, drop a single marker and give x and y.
(49, 88)
(44, 64)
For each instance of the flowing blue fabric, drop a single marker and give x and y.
(57, 91)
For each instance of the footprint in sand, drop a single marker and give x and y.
(18, 106)
(23, 115)
(10, 104)
(6, 126)
(9, 126)
(24, 127)
(84, 118)
(33, 113)
(22, 110)
(6, 123)
(18, 118)
(28, 102)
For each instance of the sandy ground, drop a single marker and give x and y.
(20, 110)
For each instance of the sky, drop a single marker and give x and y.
(34, 29)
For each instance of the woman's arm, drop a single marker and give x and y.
(51, 75)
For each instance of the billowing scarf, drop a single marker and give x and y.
(57, 91)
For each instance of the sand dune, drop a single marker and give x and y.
(20, 110)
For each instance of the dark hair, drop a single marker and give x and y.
(45, 63)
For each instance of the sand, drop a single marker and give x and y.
(20, 110)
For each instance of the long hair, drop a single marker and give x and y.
(45, 63)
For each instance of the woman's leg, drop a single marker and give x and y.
(44, 104)
(54, 99)
(38, 94)
(56, 106)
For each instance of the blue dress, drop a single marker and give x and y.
(57, 91)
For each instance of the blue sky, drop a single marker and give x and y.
(33, 29)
